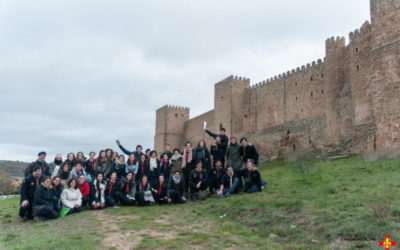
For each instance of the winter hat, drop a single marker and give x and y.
(243, 139)
(42, 153)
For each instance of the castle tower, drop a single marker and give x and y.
(229, 99)
(170, 122)
(384, 72)
(335, 80)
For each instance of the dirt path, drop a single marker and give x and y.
(116, 238)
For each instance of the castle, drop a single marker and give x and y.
(350, 98)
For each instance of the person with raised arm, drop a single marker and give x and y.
(222, 135)
(137, 153)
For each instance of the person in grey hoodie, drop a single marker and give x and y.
(76, 171)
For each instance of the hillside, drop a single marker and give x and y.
(13, 168)
(341, 204)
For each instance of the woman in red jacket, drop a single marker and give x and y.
(85, 190)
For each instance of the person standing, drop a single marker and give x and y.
(28, 189)
(164, 168)
(217, 152)
(154, 169)
(232, 157)
(55, 165)
(248, 152)
(137, 153)
(131, 166)
(187, 164)
(119, 167)
(176, 161)
(201, 153)
(222, 135)
(41, 162)
(101, 163)
(89, 166)
(167, 151)
(215, 176)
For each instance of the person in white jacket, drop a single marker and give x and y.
(71, 197)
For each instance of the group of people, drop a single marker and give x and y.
(65, 187)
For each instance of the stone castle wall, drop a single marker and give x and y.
(350, 98)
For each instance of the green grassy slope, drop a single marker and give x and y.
(341, 204)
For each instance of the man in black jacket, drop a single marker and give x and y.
(222, 135)
(41, 162)
(28, 189)
(248, 152)
(230, 183)
(199, 182)
(137, 153)
(176, 189)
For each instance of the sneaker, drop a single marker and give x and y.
(37, 218)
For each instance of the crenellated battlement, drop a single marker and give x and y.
(361, 33)
(290, 73)
(173, 107)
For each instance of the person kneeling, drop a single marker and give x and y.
(230, 183)
(97, 191)
(199, 182)
(176, 189)
(128, 190)
(71, 197)
(144, 195)
(160, 192)
(43, 206)
(112, 193)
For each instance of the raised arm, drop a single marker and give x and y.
(123, 149)
(211, 134)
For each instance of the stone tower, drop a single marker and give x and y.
(229, 99)
(170, 122)
(384, 72)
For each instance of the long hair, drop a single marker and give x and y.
(99, 160)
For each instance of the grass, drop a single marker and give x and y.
(341, 204)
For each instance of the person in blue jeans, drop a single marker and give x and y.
(252, 178)
(230, 183)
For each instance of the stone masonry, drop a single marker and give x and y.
(351, 98)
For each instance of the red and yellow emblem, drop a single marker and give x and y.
(387, 243)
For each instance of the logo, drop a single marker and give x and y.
(387, 243)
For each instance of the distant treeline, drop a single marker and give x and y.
(13, 168)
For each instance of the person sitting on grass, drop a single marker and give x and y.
(252, 178)
(71, 197)
(57, 190)
(215, 175)
(28, 189)
(128, 190)
(112, 191)
(160, 191)
(144, 194)
(199, 182)
(176, 188)
(84, 187)
(230, 183)
(97, 192)
(43, 206)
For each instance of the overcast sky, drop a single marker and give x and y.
(77, 75)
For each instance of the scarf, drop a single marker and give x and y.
(111, 185)
(58, 162)
(176, 157)
(92, 163)
(200, 151)
(153, 164)
(188, 157)
(127, 188)
(176, 180)
(159, 189)
(144, 187)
